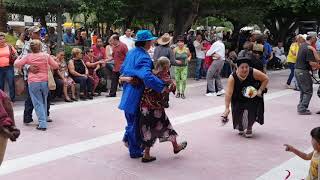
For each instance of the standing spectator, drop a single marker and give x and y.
(163, 50)
(267, 52)
(94, 38)
(28, 106)
(318, 42)
(109, 59)
(63, 75)
(127, 39)
(93, 66)
(38, 83)
(119, 54)
(183, 55)
(68, 37)
(53, 39)
(200, 54)
(305, 63)
(292, 58)
(189, 41)
(207, 59)
(80, 73)
(217, 52)
(20, 43)
(8, 55)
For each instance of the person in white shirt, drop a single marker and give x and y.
(217, 52)
(127, 39)
(200, 54)
(279, 52)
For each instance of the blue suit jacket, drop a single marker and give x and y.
(138, 64)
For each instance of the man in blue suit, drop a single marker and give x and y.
(137, 64)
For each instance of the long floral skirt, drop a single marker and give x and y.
(155, 124)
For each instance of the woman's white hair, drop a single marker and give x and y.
(161, 63)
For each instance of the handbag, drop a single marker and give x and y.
(19, 85)
(13, 56)
(51, 83)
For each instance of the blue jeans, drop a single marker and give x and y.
(132, 135)
(291, 67)
(7, 74)
(39, 94)
(28, 106)
(199, 69)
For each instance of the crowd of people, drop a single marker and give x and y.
(143, 71)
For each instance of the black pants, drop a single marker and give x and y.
(28, 106)
(59, 88)
(85, 84)
(114, 83)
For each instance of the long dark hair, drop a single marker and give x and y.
(315, 134)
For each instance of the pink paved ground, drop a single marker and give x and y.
(213, 152)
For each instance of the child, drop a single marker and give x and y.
(313, 156)
(154, 123)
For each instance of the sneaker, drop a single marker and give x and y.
(289, 87)
(304, 113)
(211, 94)
(220, 93)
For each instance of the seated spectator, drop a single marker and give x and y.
(279, 53)
(80, 74)
(86, 40)
(68, 37)
(93, 66)
(247, 50)
(64, 76)
(78, 38)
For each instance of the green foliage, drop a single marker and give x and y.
(11, 39)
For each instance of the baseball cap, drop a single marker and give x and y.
(34, 29)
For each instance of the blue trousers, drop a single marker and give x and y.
(132, 135)
(39, 94)
(199, 68)
(291, 67)
(7, 74)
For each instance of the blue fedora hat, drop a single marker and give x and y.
(144, 35)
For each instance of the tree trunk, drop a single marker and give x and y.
(3, 19)
(59, 28)
(128, 22)
(185, 18)
(166, 17)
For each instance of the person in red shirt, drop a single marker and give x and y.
(119, 51)
(93, 66)
(99, 51)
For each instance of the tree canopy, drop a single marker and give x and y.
(279, 16)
